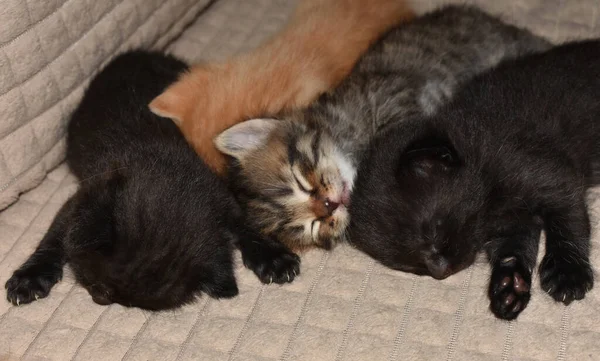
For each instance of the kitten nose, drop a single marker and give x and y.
(438, 267)
(331, 205)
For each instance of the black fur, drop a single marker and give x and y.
(513, 154)
(150, 225)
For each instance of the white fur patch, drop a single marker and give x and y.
(433, 95)
(347, 170)
(315, 230)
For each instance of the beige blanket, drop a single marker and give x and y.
(343, 306)
(49, 49)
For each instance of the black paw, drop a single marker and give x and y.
(509, 290)
(274, 264)
(566, 278)
(29, 284)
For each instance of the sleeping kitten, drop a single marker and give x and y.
(150, 225)
(513, 154)
(316, 50)
(295, 175)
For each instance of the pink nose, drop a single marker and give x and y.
(331, 206)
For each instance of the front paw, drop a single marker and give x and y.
(29, 284)
(566, 277)
(509, 290)
(275, 264)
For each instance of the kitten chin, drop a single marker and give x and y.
(293, 181)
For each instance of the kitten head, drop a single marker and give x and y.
(293, 181)
(416, 204)
(144, 238)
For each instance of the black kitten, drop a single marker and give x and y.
(512, 155)
(150, 225)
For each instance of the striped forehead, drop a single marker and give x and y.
(305, 149)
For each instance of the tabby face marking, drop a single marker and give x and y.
(297, 182)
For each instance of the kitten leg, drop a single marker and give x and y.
(270, 260)
(44, 268)
(565, 271)
(220, 284)
(512, 254)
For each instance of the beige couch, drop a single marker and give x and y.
(344, 306)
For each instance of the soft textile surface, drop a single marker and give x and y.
(342, 307)
(48, 51)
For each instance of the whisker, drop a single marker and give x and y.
(100, 174)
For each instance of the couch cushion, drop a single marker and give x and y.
(48, 51)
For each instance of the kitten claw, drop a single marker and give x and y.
(564, 280)
(273, 264)
(31, 283)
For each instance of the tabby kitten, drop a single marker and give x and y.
(513, 154)
(295, 175)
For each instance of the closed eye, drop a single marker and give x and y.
(303, 184)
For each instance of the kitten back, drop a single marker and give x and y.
(150, 226)
(316, 50)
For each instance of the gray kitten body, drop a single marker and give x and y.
(294, 175)
(414, 70)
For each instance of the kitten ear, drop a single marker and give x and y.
(241, 139)
(430, 156)
(173, 103)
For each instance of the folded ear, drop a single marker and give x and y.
(430, 156)
(243, 138)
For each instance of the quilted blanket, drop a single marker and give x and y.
(49, 49)
(343, 306)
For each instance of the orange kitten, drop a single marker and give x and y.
(315, 51)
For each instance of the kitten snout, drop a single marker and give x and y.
(438, 266)
(328, 202)
(324, 207)
(330, 205)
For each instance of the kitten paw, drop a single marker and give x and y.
(277, 265)
(29, 284)
(509, 290)
(566, 278)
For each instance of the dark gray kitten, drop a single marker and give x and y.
(295, 175)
